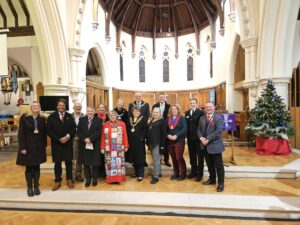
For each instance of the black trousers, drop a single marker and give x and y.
(91, 172)
(139, 170)
(31, 169)
(215, 166)
(58, 170)
(196, 157)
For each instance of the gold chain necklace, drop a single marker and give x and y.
(134, 124)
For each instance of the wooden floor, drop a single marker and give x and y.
(59, 218)
(12, 176)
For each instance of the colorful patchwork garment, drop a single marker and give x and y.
(114, 141)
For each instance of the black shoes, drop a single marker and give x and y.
(87, 182)
(198, 178)
(174, 177)
(139, 179)
(36, 190)
(167, 163)
(181, 177)
(154, 180)
(30, 192)
(94, 183)
(79, 179)
(220, 188)
(191, 175)
(209, 182)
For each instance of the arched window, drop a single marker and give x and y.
(190, 64)
(166, 66)
(142, 66)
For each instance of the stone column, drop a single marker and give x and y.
(3, 55)
(251, 77)
(77, 75)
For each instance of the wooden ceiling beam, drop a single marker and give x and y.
(194, 18)
(175, 27)
(25, 10)
(108, 19)
(3, 17)
(136, 24)
(14, 12)
(211, 21)
(221, 16)
(126, 9)
(120, 6)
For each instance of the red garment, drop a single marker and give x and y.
(102, 116)
(114, 141)
(269, 146)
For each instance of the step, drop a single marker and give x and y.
(275, 207)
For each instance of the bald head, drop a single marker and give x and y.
(210, 108)
(77, 107)
(138, 96)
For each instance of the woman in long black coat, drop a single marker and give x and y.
(89, 133)
(32, 137)
(136, 130)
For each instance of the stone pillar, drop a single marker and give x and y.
(251, 77)
(77, 75)
(3, 55)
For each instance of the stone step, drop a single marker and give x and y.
(275, 207)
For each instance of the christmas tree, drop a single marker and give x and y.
(269, 118)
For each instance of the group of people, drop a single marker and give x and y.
(99, 143)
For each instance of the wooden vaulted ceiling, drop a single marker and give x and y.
(162, 18)
(15, 16)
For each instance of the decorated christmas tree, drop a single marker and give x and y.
(270, 118)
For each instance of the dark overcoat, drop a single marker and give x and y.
(87, 156)
(35, 144)
(145, 110)
(137, 150)
(57, 129)
(192, 122)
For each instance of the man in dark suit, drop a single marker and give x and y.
(192, 117)
(144, 106)
(61, 128)
(164, 109)
(210, 135)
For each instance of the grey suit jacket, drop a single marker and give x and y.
(213, 133)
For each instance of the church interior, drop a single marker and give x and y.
(99, 51)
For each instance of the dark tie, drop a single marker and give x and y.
(90, 123)
(62, 117)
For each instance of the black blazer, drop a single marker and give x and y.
(89, 157)
(145, 110)
(57, 129)
(192, 123)
(156, 133)
(167, 108)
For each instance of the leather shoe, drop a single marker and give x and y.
(87, 182)
(56, 186)
(139, 179)
(174, 177)
(190, 176)
(94, 182)
(70, 184)
(181, 177)
(209, 182)
(154, 180)
(198, 179)
(79, 179)
(220, 188)
(167, 163)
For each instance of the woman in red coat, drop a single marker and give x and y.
(114, 143)
(32, 137)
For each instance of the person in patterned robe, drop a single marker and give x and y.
(114, 144)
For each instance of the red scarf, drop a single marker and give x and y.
(102, 116)
(172, 125)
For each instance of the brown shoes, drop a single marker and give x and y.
(56, 186)
(70, 184)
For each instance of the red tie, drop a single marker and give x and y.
(208, 117)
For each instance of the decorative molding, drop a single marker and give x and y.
(276, 80)
(249, 42)
(77, 52)
(78, 23)
(232, 16)
(245, 16)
